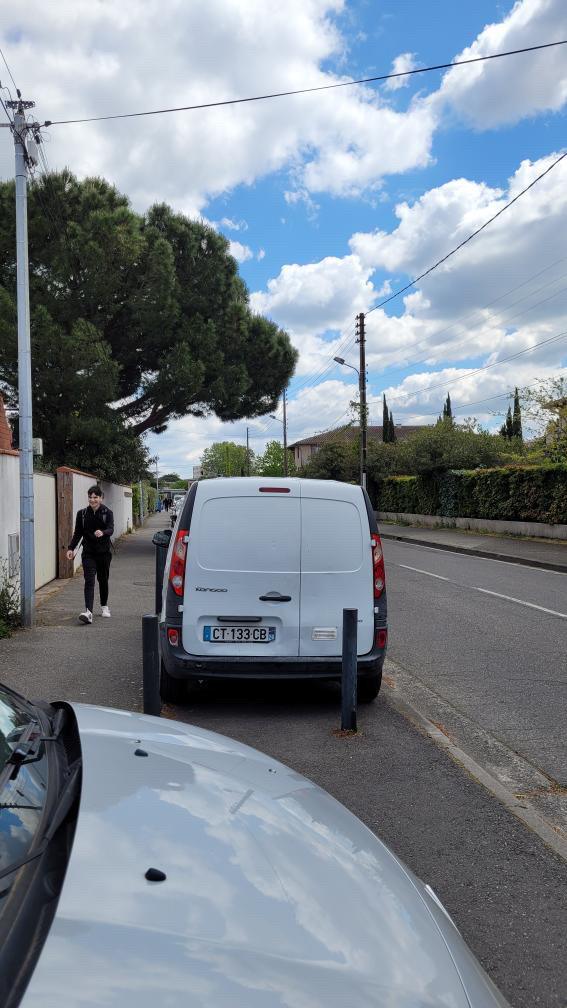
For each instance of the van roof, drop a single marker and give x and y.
(224, 486)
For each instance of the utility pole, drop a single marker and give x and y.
(361, 340)
(156, 460)
(27, 545)
(247, 454)
(284, 434)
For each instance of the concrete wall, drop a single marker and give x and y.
(45, 528)
(9, 500)
(538, 529)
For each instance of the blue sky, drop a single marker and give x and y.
(331, 199)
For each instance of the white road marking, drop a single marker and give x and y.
(419, 571)
(486, 591)
(531, 605)
(473, 556)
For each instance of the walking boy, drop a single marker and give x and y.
(94, 525)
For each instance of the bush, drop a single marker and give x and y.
(337, 460)
(508, 493)
(9, 602)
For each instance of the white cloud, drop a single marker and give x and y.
(317, 297)
(228, 224)
(261, 254)
(402, 63)
(502, 91)
(88, 59)
(240, 252)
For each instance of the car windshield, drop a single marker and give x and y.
(22, 793)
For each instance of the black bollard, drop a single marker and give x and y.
(348, 679)
(151, 664)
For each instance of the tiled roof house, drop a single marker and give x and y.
(304, 450)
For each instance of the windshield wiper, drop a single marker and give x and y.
(65, 801)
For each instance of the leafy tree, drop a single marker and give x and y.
(226, 458)
(448, 446)
(170, 478)
(156, 297)
(271, 463)
(337, 460)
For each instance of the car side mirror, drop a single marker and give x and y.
(162, 537)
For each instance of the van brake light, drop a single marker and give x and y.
(178, 559)
(379, 573)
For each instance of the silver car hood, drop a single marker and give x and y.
(275, 894)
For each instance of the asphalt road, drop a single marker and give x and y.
(506, 891)
(491, 638)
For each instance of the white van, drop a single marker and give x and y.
(257, 575)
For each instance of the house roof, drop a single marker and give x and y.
(350, 433)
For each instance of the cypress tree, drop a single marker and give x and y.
(385, 420)
(508, 426)
(517, 417)
(391, 431)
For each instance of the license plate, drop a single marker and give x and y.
(239, 634)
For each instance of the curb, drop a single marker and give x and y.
(553, 837)
(471, 551)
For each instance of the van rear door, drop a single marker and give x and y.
(336, 568)
(242, 576)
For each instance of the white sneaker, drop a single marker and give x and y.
(104, 610)
(86, 616)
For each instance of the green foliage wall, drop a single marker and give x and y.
(511, 493)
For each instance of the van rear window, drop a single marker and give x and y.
(331, 536)
(248, 534)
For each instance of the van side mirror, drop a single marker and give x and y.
(162, 537)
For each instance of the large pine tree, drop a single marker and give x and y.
(385, 420)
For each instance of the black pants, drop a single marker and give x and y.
(97, 565)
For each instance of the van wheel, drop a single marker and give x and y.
(171, 690)
(368, 687)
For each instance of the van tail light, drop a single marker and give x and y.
(381, 638)
(378, 566)
(173, 636)
(178, 558)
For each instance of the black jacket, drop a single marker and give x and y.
(86, 524)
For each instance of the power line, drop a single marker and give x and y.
(322, 87)
(10, 72)
(470, 237)
(478, 311)
(469, 374)
(504, 321)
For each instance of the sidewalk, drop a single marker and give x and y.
(532, 552)
(62, 658)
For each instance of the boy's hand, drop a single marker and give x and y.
(98, 533)
(69, 554)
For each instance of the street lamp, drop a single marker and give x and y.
(362, 418)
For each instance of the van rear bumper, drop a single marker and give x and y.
(181, 665)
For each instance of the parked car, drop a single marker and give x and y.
(257, 575)
(145, 862)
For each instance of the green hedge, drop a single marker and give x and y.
(536, 493)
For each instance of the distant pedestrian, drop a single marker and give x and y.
(167, 503)
(94, 525)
